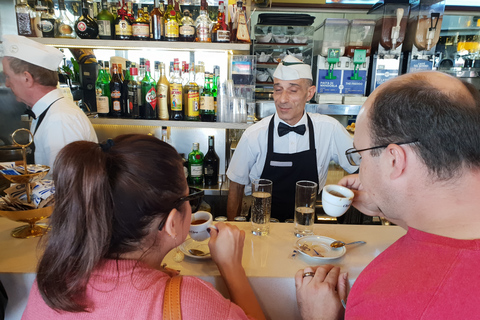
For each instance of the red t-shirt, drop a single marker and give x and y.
(420, 276)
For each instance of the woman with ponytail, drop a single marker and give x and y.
(120, 207)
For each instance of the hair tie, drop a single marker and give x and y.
(106, 145)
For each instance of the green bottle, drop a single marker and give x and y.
(126, 81)
(207, 103)
(148, 108)
(102, 89)
(106, 22)
(195, 165)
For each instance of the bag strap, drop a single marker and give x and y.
(171, 299)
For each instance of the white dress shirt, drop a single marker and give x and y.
(331, 142)
(63, 123)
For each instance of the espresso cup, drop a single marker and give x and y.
(336, 199)
(200, 222)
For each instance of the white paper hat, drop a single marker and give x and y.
(31, 51)
(292, 68)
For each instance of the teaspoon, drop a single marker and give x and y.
(198, 253)
(339, 244)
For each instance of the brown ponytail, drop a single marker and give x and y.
(105, 199)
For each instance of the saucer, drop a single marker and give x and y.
(199, 245)
(321, 245)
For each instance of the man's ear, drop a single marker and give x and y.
(311, 92)
(29, 81)
(397, 160)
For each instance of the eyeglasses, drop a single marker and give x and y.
(354, 157)
(195, 197)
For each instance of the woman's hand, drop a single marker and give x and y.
(362, 200)
(320, 296)
(226, 245)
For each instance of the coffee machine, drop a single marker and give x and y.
(390, 29)
(423, 33)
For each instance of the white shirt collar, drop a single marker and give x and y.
(303, 120)
(42, 104)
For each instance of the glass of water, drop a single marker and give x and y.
(261, 206)
(305, 198)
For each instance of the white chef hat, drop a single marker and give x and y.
(292, 68)
(31, 51)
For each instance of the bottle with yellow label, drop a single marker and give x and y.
(171, 23)
(162, 94)
(191, 97)
(176, 93)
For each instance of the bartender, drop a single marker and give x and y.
(289, 146)
(30, 70)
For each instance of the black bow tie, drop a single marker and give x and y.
(30, 113)
(283, 129)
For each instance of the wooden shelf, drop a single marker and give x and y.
(140, 45)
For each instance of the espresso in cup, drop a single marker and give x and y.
(336, 199)
(200, 222)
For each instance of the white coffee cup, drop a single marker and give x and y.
(198, 231)
(336, 199)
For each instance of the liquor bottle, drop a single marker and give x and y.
(187, 30)
(176, 95)
(106, 23)
(130, 14)
(40, 9)
(157, 22)
(165, 134)
(171, 23)
(123, 25)
(108, 73)
(203, 24)
(141, 26)
(191, 97)
(102, 90)
(185, 74)
(207, 105)
(149, 95)
(214, 87)
(116, 93)
(178, 13)
(85, 26)
(48, 21)
(126, 81)
(220, 31)
(211, 164)
(156, 71)
(63, 25)
(24, 14)
(240, 31)
(195, 165)
(134, 93)
(162, 94)
(120, 72)
(200, 75)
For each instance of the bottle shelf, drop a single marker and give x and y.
(169, 123)
(139, 45)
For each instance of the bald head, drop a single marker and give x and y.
(435, 109)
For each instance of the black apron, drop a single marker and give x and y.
(285, 169)
(39, 122)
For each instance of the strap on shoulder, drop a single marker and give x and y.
(171, 299)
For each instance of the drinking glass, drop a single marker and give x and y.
(305, 198)
(262, 206)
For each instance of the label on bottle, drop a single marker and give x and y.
(24, 24)
(242, 31)
(192, 104)
(37, 25)
(223, 36)
(176, 96)
(151, 98)
(102, 103)
(203, 33)
(123, 28)
(132, 98)
(162, 100)
(47, 28)
(141, 30)
(206, 103)
(104, 28)
(171, 29)
(208, 170)
(187, 30)
(65, 30)
(81, 26)
(196, 170)
(116, 94)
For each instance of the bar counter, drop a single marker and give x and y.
(266, 261)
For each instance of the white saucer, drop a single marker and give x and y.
(199, 245)
(322, 246)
